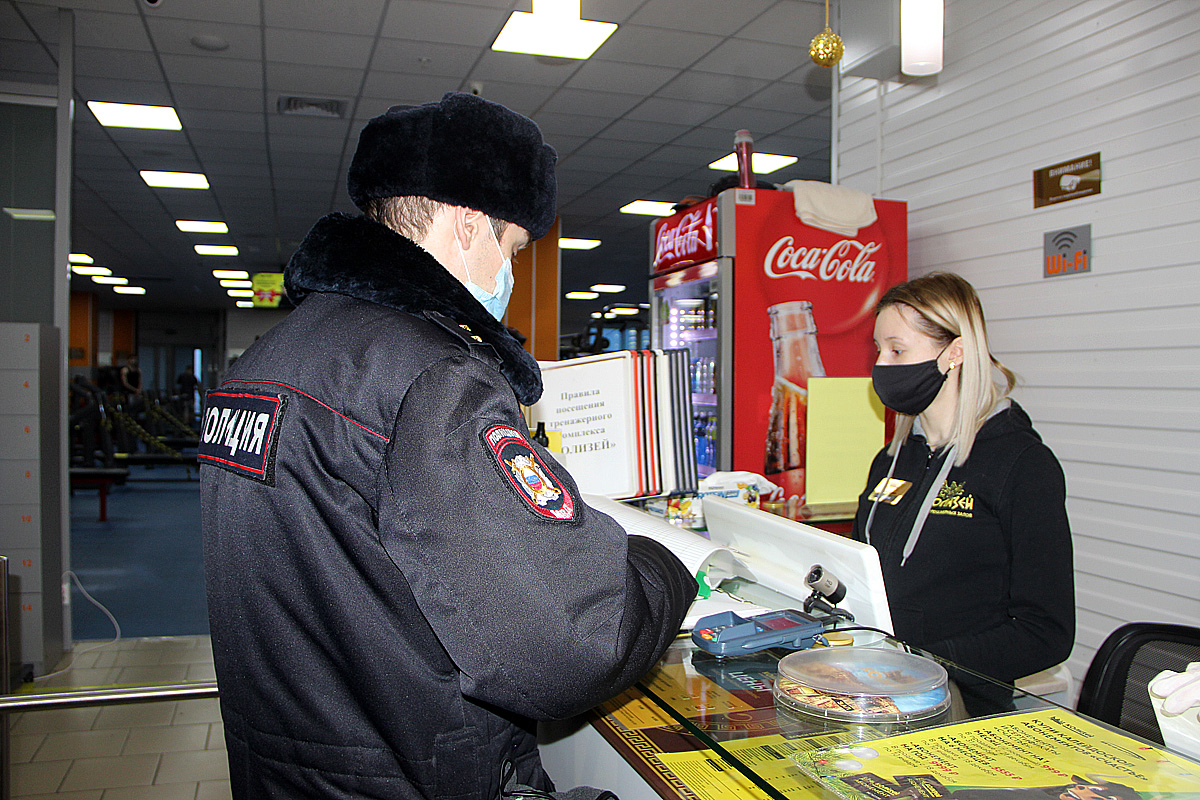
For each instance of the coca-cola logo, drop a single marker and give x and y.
(847, 261)
(694, 233)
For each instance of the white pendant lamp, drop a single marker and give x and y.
(921, 26)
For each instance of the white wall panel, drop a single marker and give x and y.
(1109, 360)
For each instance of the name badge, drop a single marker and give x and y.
(890, 490)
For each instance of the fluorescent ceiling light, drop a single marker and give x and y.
(553, 29)
(232, 284)
(129, 290)
(84, 269)
(200, 226)
(607, 288)
(127, 115)
(596, 315)
(650, 208)
(80, 258)
(609, 315)
(174, 180)
(581, 295)
(240, 292)
(245, 304)
(40, 214)
(626, 312)
(109, 280)
(761, 163)
(237, 274)
(216, 250)
(578, 244)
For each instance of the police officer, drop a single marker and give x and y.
(399, 580)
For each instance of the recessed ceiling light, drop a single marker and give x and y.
(607, 288)
(581, 295)
(216, 249)
(80, 258)
(609, 315)
(109, 280)
(236, 274)
(85, 269)
(596, 315)
(245, 304)
(578, 244)
(200, 226)
(128, 115)
(129, 290)
(761, 163)
(553, 29)
(240, 292)
(233, 284)
(626, 312)
(650, 208)
(213, 44)
(174, 180)
(38, 214)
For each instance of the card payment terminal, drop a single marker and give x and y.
(727, 634)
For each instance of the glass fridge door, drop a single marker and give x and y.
(685, 306)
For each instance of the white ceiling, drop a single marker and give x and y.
(641, 119)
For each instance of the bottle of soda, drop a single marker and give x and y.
(743, 146)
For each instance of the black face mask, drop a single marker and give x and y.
(908, 388)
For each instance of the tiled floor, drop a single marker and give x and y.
(145, 751)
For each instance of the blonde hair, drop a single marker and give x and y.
(947, 308)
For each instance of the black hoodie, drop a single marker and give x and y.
(990, 582)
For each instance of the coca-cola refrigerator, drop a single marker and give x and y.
(763, 302)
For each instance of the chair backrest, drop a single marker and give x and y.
(1114, 689)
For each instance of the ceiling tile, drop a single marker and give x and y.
(640, 79)
(522, 98)
(522, 68)
(786, 22)
(758, 121)
(221, 98)
(209, 71)
(710, 87)
(706, 16)
(665, 47)
(326, 16)
(662, 109)
(237, 11)
(98, 29)
(245, 122)
(114, 90)
(397, 88)
(317, 48)
(755, 59)
(117, 65)
(313, 81)
(591, 102)
(424, 58)
(448, 23)
(645, 131)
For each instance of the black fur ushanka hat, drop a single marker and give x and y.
(464, 151)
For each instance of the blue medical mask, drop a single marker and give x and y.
(496, 301)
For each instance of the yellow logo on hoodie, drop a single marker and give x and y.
(953, 499)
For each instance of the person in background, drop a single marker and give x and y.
(188, 385)
(131, 378)
(966, 505)
(399, 580)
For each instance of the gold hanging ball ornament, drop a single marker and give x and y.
(826, 48)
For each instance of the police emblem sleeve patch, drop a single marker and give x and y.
(522, 468)
(240, 433)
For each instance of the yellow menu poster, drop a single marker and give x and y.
(1051, 754)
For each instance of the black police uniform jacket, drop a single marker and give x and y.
(990, 582)
(399, 581)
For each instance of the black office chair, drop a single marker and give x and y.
(1114, 689)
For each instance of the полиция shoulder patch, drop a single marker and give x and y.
(241, 432)
(528, 475)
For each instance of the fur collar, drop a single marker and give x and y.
(361, 258)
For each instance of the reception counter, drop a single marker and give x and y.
(701, 727)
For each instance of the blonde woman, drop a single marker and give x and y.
(965, 505)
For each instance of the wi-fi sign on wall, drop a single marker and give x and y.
(1067, 251)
